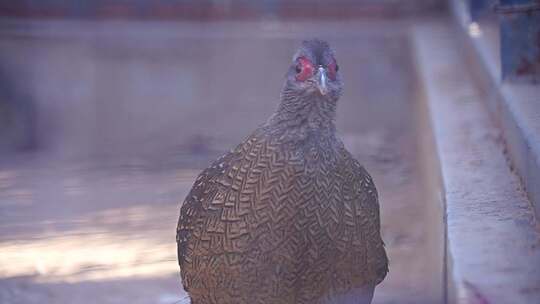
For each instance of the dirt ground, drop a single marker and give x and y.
(129, 113)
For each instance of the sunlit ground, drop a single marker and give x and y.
(91, 253)
(63, 226)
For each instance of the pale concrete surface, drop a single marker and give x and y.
(493, 239)
(130, 112)
(515, 106)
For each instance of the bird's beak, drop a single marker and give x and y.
(322, 81)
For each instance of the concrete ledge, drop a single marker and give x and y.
(515, 107)
(492, 237)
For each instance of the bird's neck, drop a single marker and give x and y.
(303, 118)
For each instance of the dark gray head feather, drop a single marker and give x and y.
(318, 51)
(303, 110)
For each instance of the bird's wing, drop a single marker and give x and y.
(366, 201)
(204, 189)
(235, 192)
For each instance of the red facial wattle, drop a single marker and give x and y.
(304, 69)
(332, 70)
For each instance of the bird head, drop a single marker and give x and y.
(314, 72)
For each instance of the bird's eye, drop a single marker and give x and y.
(304, 69)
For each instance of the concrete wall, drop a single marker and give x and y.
(208, 9)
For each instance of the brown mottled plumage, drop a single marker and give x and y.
(288, 216)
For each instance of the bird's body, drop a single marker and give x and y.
(288, 216)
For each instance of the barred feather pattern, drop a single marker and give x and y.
(275, 221)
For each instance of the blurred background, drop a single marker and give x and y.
(110, 108)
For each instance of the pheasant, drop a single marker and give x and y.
(288, 216)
